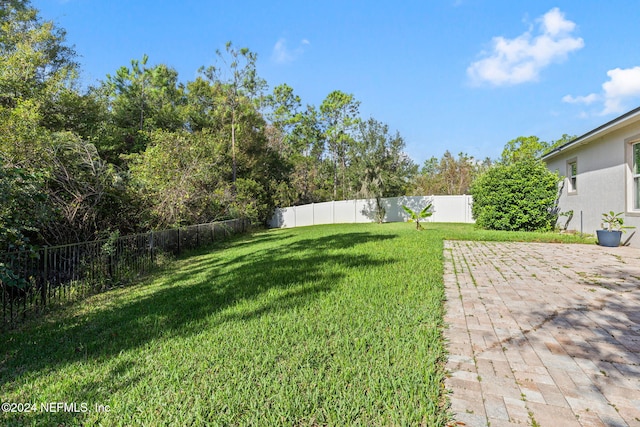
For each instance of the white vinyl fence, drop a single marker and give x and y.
(445, 209)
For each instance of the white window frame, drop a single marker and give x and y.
(571, 177)
(635, 175)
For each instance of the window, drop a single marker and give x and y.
(572, 174)
(636, 175)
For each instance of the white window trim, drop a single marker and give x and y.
(572, 181)
(630, 187)
(635, 178)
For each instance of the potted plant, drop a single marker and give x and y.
(612, 229)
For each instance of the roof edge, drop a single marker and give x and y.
(584, 138)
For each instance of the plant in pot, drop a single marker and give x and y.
(612, 229)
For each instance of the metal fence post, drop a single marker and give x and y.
(45, 278)
(151, 246)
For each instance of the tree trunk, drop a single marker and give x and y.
(233, 152)
(335, 179)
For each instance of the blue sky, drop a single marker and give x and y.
(457, 75)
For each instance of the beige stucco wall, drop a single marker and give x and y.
(603, 182)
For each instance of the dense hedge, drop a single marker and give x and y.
(518, 196)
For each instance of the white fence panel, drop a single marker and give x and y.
(452, 209)
(415, 203)
(344, 212)
(304, 215)
(323, 213)
(286, 217)
(445, 209)
(363, 210)
(392, 213)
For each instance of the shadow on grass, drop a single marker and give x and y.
(182, 302)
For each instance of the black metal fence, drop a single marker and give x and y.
(30, 280)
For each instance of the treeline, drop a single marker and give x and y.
(143, 150)
(455, 175)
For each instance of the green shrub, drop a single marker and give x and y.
(516, 197)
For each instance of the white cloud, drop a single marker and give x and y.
(520, 60)
(622, 87)
(282, 54)
(554, 24)
(588, 99)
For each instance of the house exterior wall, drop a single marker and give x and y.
(603, 181)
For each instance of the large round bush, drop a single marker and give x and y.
(515, 197)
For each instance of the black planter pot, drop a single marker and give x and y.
(609, 238)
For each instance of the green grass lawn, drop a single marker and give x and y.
(326, 325)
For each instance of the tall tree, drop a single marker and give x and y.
(36, 62)
(284, 112)
(309, 175)
(205, 99)
(36, 66)
(239, 80)
(449, 175)
(142, 99)
(565, 138)
(381, 168)
(297, 135)
(339, 115)
(523, 148)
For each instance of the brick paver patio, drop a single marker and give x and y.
(543, 334)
